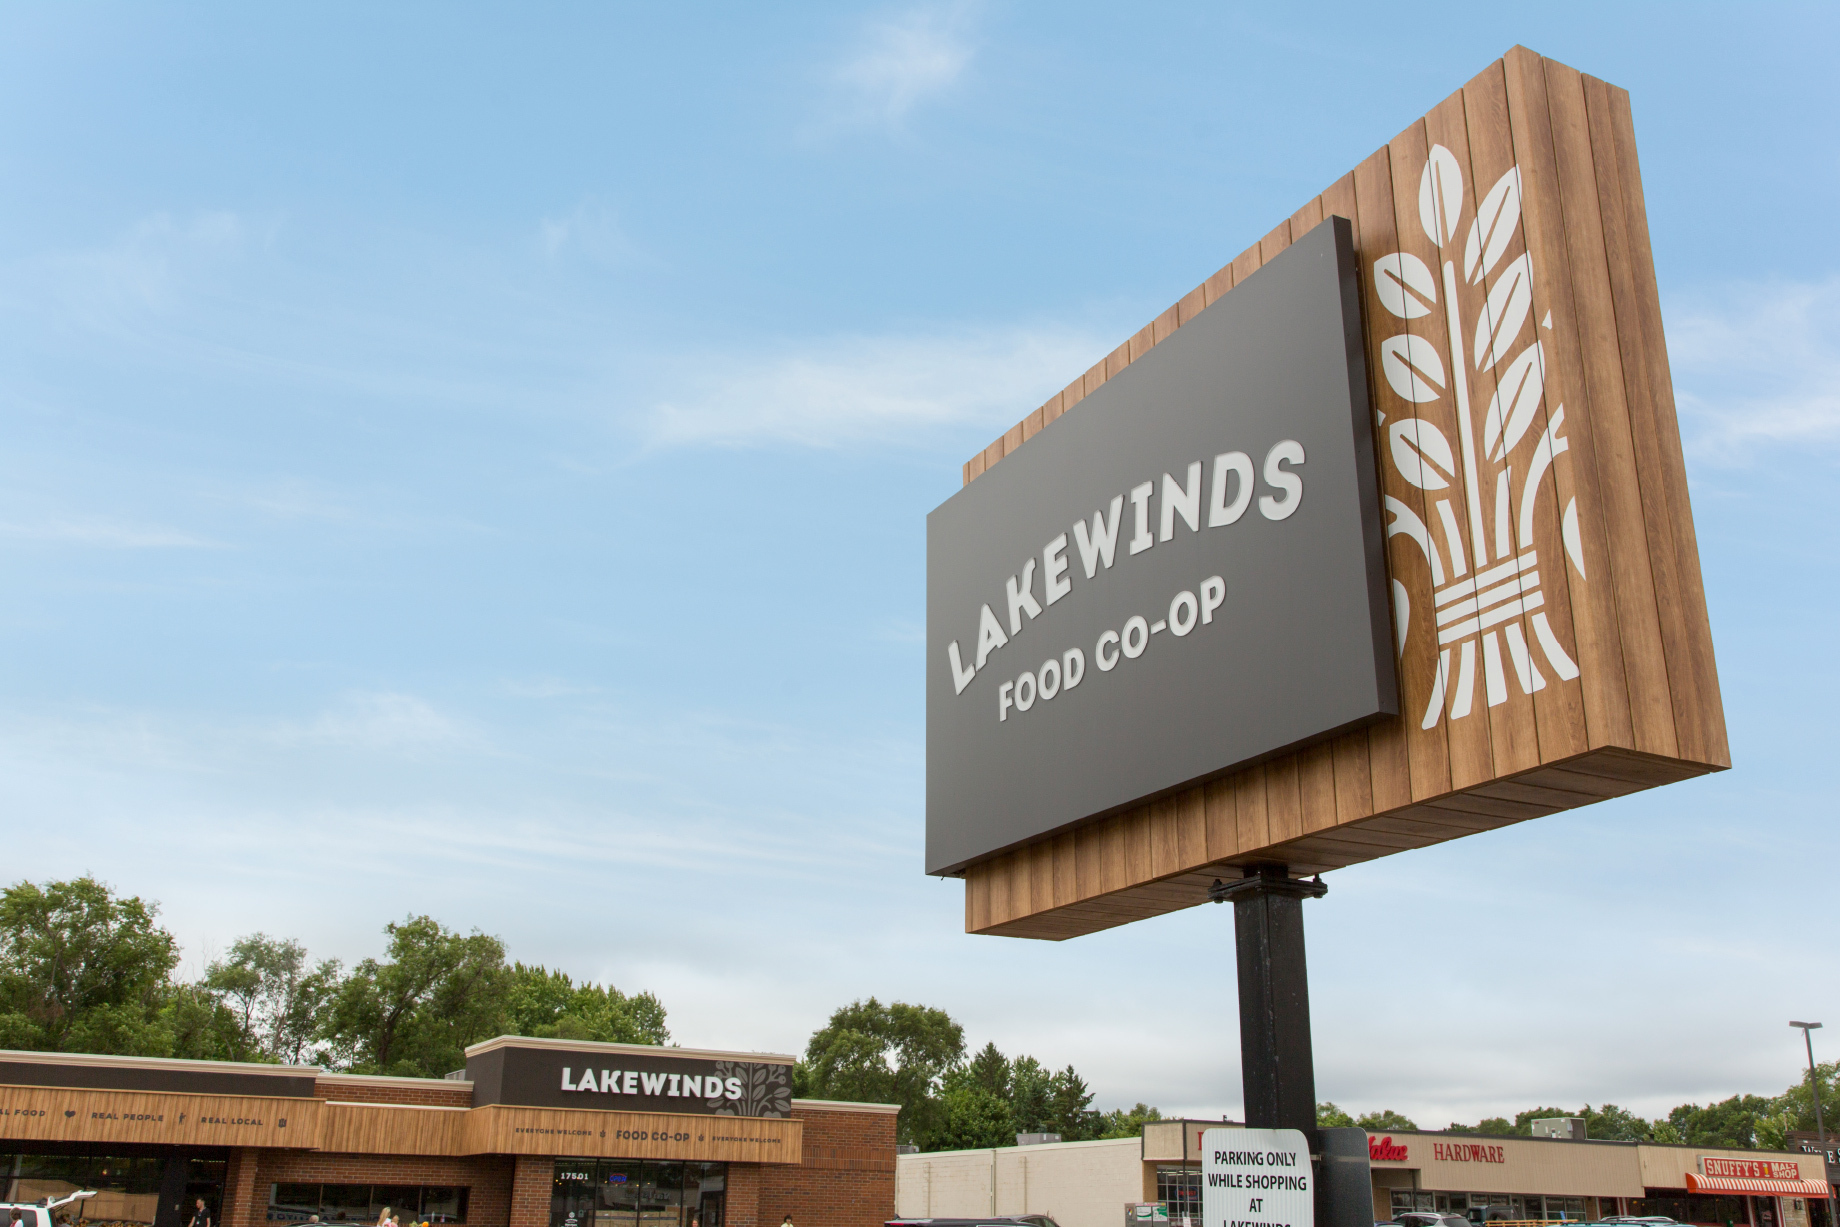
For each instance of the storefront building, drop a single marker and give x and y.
(1560, 1179)
(1517, 1179)
(533, 1133)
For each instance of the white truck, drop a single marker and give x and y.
(39, 1213)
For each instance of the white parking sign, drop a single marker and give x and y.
(1256, 1178)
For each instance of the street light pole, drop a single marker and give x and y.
(1820, 1127)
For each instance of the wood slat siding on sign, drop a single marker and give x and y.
(1645, 709)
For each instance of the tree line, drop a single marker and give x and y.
(915, 1056)
(1743, 1122)
(85, 970)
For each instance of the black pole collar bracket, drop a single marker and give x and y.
(1267, 880)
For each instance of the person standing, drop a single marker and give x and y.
(201, 1217)
(385, 1219)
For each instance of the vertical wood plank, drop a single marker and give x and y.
(1275, 242)
(1246, 263)
(1191, 829)
(1222, 818)
(1499, 699)
(1031, 425)
(974, 468)
(1644, 415)
(1136, 840)
(1191, 305)
(1557, 704)
(1066, 867)
(1051, 409)
(1354, 784)
(1421, 725)
(1117, 360)
(1305, 219)
(1216, 286)
(1250, 808)
(1702, 730)
(1638, 620)
(1012, 438)
(1163, 839)
(1472, 757)
(1316, 786)
(1651, 483)
(1597, 644)
(1283, 798)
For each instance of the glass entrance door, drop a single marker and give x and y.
(629, 1193)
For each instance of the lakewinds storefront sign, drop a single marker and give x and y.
(631, 1078)
(1421, 567)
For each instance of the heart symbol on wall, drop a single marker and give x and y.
(69, 1112)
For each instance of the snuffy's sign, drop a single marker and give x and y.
(1210, 609)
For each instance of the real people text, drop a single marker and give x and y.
(1230, 494)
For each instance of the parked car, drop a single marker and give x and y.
(1429, 1218)
(39, 1213)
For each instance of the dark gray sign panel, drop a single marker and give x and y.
(1182, 575)
(626, 1081)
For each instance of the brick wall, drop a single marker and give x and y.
(435, 1092)
(241, 1205)
(488, 1179)
(847, 1178)
(530, 1191)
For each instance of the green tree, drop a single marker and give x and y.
(83, 970)
(1610, 1123)
(1069, 1107)
(1795, 1106)
(415, 1012)
(894, 1053)
(277, 998)
(1498, 1125)
(990, 1070)
(1120, 1123)
(1382, 1122)
(1328, 1116)
(548, 1004)
(971, 1116)
(1733, 1123)
(1030, 1092)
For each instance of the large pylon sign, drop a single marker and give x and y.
(1526, 634)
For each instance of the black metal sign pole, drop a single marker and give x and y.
(1276, 1067)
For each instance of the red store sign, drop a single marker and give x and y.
(1751, 1169)
(1467, 1152)
(1385, 1150)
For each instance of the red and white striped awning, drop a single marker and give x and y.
(1756, 1184)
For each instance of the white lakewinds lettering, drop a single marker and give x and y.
(640, 1082)
(1191, 499)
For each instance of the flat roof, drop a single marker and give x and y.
(663, 1050)
(169, 1064)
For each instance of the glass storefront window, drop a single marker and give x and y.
(1179, 1189)
(127, 1190)
(363, 1203)
(623, 1193)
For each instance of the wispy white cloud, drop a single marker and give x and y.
(901, 62)
(871, 389)
(590, 231)
(381, 721)
(104, 534)
(1758, 367)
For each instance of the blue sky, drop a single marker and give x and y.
(474, 460)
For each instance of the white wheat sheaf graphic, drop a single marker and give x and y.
(1482, 494)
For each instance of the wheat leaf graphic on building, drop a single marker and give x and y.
(1481, 493)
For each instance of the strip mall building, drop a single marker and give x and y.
(1102, 1184)
(533, 1133)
